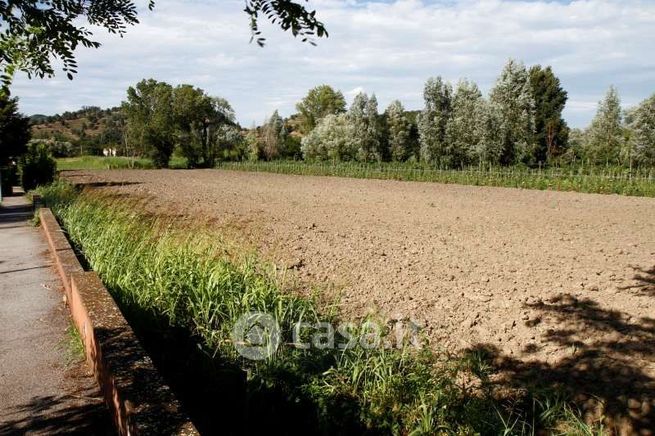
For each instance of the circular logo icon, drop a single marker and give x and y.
(256, 335)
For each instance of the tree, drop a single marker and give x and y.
(363, 117)
(551, 131)
(35, 31)
(253, 147)
(512, 100)
(150, 120)
(334, 138)
(641, 121)
(398, 132)
(576, 149)
(319, 102)
(274, 136)
(14, 131)
(36, 166)
(358, 121)
(229, 142)
(490, 150)
(199, 120)
(605, 136)
(374, 136)
(466, 129)
(433, 120)
(190, 109)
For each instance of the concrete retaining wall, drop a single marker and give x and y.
(137, 396)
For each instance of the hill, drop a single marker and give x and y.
(89, 129)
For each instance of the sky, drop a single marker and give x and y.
(388, 48)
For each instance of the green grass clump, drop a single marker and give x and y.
(580, 179)
(72, 345)
(190, 278)
(112, 163)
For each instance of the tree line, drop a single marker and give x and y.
(520, 123)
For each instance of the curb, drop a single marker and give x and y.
(135, 393)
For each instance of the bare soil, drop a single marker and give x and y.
(558, 285)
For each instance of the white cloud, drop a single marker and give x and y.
(386, 48)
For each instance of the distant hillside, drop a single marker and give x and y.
(90, 127)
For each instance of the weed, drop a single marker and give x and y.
(72, 345)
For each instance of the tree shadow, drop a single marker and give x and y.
(605, 362)
(15, 213)
(97, 184)
(61, 414)
(644, 281)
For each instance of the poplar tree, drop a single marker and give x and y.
(398, 132)
(274, 136)
(465, 129)
(641, 121)
(490, 149)
(511, 99)
(253, 147)
(362, 116)
(433, 120)
(374, 137)
(605, 137)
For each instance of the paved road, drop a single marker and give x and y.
(40, 392)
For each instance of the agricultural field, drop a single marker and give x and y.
(551, 287)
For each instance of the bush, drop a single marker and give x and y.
(36, 167)
(7, 179)
(57, 148)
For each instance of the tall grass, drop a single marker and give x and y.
(190, 278)
(112, 163)
(599, 180)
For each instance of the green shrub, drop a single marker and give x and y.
(36, 167)
(7, 180)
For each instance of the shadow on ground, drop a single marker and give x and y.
(644, 281)
(15, 213)
(55, 415)
(95, 184)
(609, 369)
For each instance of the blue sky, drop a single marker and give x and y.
(388, 48)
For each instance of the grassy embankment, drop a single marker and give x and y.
(174, 278)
